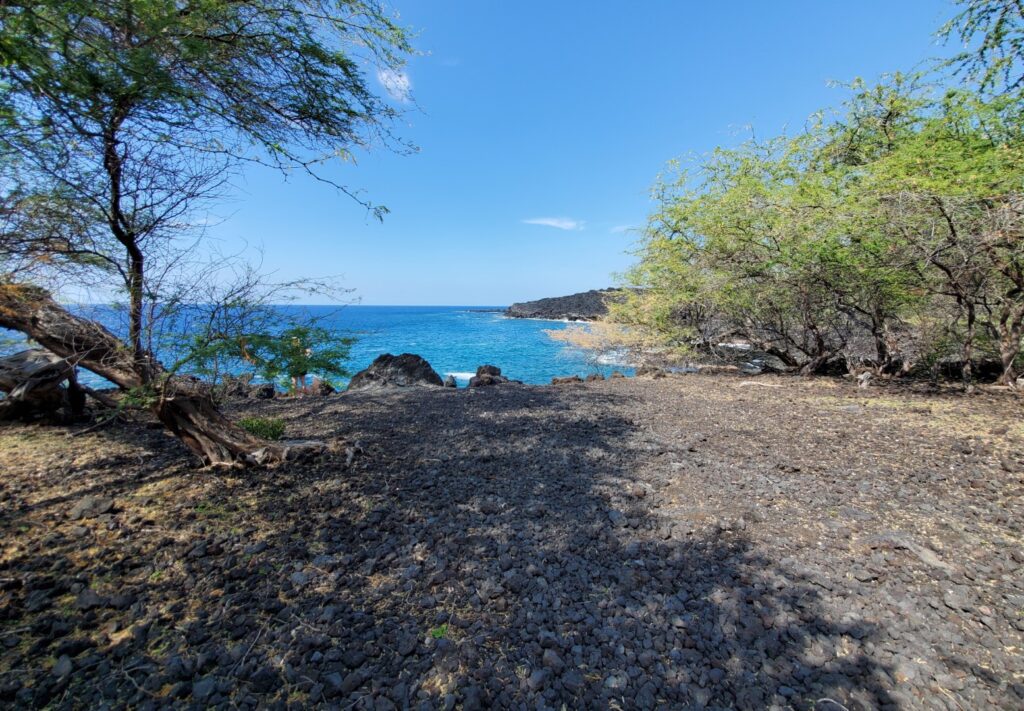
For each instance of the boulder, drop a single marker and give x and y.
(616, 374)
(487, 375)
(236, 386)
(567, 381)
(650, 371)
(594, 377)
(323, 388)
(449, 382)
(478, 381)
(91, 507)
(389, 371)
(265, 391)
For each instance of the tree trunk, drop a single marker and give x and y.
(1010, 333)
(34, 381)
(882, 357)
(815, 364)
(967, 365)
(1009, 349)
(183, 405)
(886, 350)
(188, 410)
(770, 349)
(820, 356)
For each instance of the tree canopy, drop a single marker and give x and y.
(883, 237)
(992, 33)
(121, 119)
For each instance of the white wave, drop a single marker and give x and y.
(616, 357)
(544, 320)
(461, 376)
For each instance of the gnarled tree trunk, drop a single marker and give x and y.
(34, 383)
(1011, 332)
(182, 404)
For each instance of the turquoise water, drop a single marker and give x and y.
(457, 339)
(454, 339)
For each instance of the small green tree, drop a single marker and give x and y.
(288, 357)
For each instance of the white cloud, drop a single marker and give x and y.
(562, 223)
(396, 83)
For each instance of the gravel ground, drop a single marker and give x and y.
(683, 542)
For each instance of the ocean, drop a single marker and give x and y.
(453, 339)
(457, 339)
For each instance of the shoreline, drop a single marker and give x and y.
(549, 320)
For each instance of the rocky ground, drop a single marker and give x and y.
(680, 542)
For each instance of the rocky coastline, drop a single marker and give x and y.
(585, 306)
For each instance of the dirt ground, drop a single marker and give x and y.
(683, 542)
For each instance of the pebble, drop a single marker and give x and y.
(551, 660)
(63, 667)
(537, 680)
(89, 599)
(616, 682)
(203, 689)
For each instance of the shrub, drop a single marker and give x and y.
(266, 427)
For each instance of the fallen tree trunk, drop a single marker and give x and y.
(34, 383)
(182, 404)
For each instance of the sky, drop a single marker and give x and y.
(540, 128)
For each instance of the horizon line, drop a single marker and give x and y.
(424, 306)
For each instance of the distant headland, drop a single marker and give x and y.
(585, 306)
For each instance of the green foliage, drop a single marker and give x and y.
(142, 397)
(276, 74)
(892, 233)
(264, 427)
(119, 120)
(992, 32)
(301, 350)
(296, 351)
(439, 632)
(905, 209)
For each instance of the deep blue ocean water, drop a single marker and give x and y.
(454, 339)
(457, 339)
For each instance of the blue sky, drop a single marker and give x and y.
(541, 127)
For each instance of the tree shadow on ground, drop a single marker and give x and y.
(500, 548)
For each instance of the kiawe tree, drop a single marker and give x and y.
(992, 35)
(953, 193)
(856, 235)
(122, 120)
(898, 224)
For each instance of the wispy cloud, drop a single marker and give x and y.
(562, 223)
(619, 229)
(396, 83)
